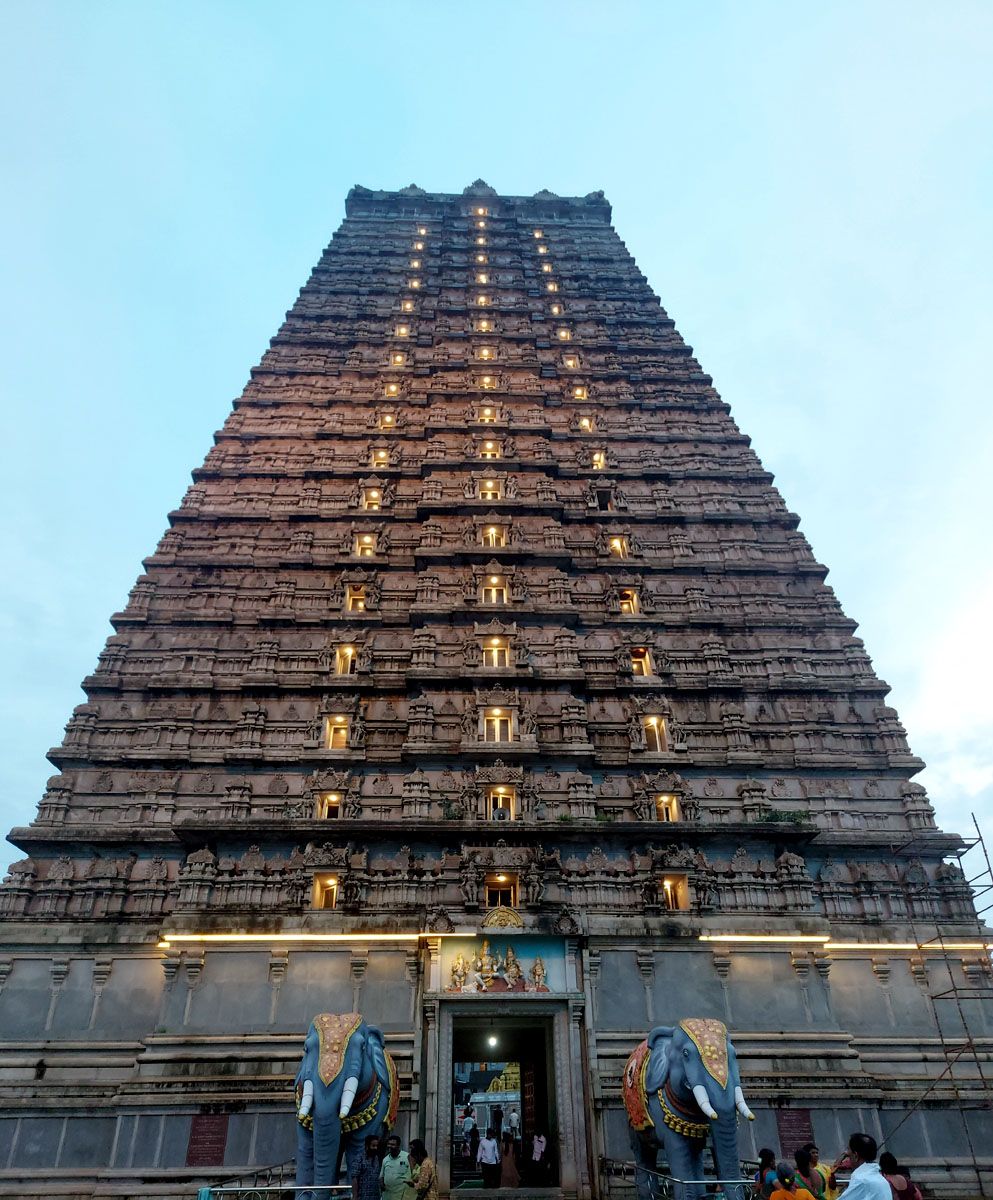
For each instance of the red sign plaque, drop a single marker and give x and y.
(208, 1140)
(795, 1129)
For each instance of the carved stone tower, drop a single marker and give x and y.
(480, 626)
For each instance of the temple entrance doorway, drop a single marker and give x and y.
(502, 1069)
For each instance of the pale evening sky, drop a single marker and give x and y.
(807, 187)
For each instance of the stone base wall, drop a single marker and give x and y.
(111, 1054)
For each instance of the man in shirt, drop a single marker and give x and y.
(488, 1157)
(365, 1177)
(867, 1182)
(514, 1123)
(395, 1172)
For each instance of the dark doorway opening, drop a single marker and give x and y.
(503, 1067)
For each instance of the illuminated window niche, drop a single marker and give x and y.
(629, 602)
(653, 727)
(495, 590)
(328, 806)
(501, 890)
(493, 536)
(379, 457)
(365, 545)
(641, 661)
(489, 449)
(345, 660)
(501, 802)
(618, 546)
(599, 460)
(355, 597)
(372, 499)
(486, 353)
(325, 891)
(487, 414)
(674, 893)
(666, 807)
(489, 489)
(387, 420)
(496, 654)
(402, 330)
(497, 725)
(336, 733)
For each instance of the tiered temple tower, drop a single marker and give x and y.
(481, 620)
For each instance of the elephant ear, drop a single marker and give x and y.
(657, 1072)
(381, 1061)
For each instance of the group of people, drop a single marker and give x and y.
(398, 1175)
(500, 1156)
(807, 1178)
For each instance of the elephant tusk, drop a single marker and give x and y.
(348, 1095)
(701, 1097)
(741, 1106)
(307, 1099)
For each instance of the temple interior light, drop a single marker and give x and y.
(422, 230)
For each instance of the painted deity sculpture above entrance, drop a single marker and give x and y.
(494, 965)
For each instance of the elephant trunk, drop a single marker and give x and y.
(726, 1159)
(348, 1095)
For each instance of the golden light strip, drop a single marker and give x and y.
(829, 943)
(926, 947)
(819, 938)
(167, 939)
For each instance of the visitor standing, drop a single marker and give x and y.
(510, 1177)
(867, 1182)
(765, 1176)
(488, 1158)
(496, 1120)
(539, 1159)
(365, 1176)
(394, 1174)
(468, 1124)
(807, 1174)
(423, 1176)
(786, 1186)
(831, 1189)
(902, 1186)
(514, 1124)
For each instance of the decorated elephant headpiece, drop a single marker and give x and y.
(649, 1069)
(327, 1050)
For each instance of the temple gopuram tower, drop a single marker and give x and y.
(484, 685)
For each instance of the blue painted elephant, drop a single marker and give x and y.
(346, 1089)
(680, 1085)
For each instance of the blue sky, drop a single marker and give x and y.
(807, 187)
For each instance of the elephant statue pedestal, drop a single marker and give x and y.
(346, 1089)
(681, 1087)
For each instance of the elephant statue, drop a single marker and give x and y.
(346, 1089)
(680, 1085)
